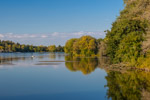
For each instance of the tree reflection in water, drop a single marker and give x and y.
(128, 86)
(9, 60)
(85, 65)
(52, 55)
(121, 85)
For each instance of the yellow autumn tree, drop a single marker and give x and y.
(52, 48)
(84, 46)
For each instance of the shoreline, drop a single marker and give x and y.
(123, 68)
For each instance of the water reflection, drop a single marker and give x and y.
(121, 85)
(52, 56)
(85, 65)
(9, 60)
(132, 85)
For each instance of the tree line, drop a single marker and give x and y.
(9, 46)
(124, 42)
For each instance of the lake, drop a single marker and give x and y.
(57, 76)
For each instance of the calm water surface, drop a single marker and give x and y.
(56, 76)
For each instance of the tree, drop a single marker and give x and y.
(84, 46)
(9, 46)
(60, 49)
(14, 48)
(69, 46)
(1, 48)
(124, 40)
(52, 48)
(31, 48)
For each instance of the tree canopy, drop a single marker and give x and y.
(84, 46)
(125, 39)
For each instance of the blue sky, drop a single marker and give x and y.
(45, 22)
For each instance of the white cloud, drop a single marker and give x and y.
(32, 36)
(44, 36)
(79, 33)
(1, 35)
(55, 34)
(48, 39)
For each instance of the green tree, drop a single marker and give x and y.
(84, 46)
(1, 48)
(60, 49)
(69, 46)
(52, 48)
(9, 46)
(14, 48)
(31, 48)
(124, 40)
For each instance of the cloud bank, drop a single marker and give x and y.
(56, 38)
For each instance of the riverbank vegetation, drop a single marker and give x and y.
(129, 33)
(9, 46)
(124, 41)
(127, 42)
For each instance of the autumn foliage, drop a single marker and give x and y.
(84, 46)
